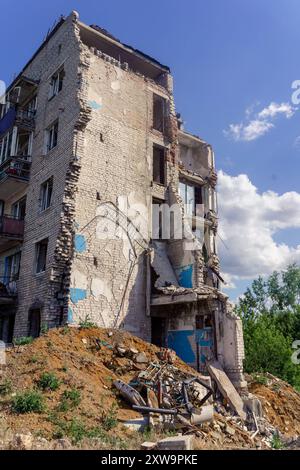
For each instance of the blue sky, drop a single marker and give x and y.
(226, 57)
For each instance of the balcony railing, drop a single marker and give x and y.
(16, 167)
(22, 118)
(8, 286)
(11, 227)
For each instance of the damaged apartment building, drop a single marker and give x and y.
(90, 148)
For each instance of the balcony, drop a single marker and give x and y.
(11, 231)
(14, 176)
(23, 119)
(8, 290)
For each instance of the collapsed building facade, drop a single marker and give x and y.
(92, 151)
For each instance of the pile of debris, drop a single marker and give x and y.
(144, 389)
(169, 396)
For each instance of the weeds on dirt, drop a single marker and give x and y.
(5, 387)
(48, 381)
(260, 379)
(70, 399)
(29, 401)
(86, 323)
(276, 442)
(109, 418)
(23, 340)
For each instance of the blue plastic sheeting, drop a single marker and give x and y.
(77, 294)
(185, 276)
(80, 243)
(179, 341)
(7, 121)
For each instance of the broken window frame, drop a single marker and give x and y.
(187, 189)
(41, 249)
(18, 208)
(56, 83)
(158, 113)
(159, 165)
(6, 146)
(46, 192)
(12, 263)
(52, 136)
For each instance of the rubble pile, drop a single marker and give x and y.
(151, 391)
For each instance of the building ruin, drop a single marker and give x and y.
(91, 153)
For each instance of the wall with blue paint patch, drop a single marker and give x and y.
(80, 243)
(185, 276)
(77, 294)
(182, 341)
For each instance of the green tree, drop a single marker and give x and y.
(270, 312)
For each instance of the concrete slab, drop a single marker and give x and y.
(226, 388)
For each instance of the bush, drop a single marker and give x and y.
(109, 418)
(48, 381)
(29, 401)
(276, 442)
(23, 340)
(70, 399)
(5, 387)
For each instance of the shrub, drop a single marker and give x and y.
(23, 340)
(276, 442)
(29, 401)
(5, 387)
(48, 381)
(109, 418)
(70, 399)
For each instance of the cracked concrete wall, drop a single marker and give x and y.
(108, 282)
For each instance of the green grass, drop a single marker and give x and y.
(48, 381)
(276, 442)
(29, 401)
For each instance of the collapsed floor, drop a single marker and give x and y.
(92, 360)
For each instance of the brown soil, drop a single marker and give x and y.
(281, 404)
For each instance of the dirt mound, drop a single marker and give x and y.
(281, 403)
(85, 364)
(69, 375)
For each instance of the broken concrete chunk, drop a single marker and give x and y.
(133, 351)
(138, 424)
(141, 358)
(22, 442)
(203, 414)
(253, 404)
(226, 388)
(121, 351)
(229, 430)
(176, 443)
(148, 445)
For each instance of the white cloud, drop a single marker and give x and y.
(261, 122)
(248, 222)
(274, 108)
